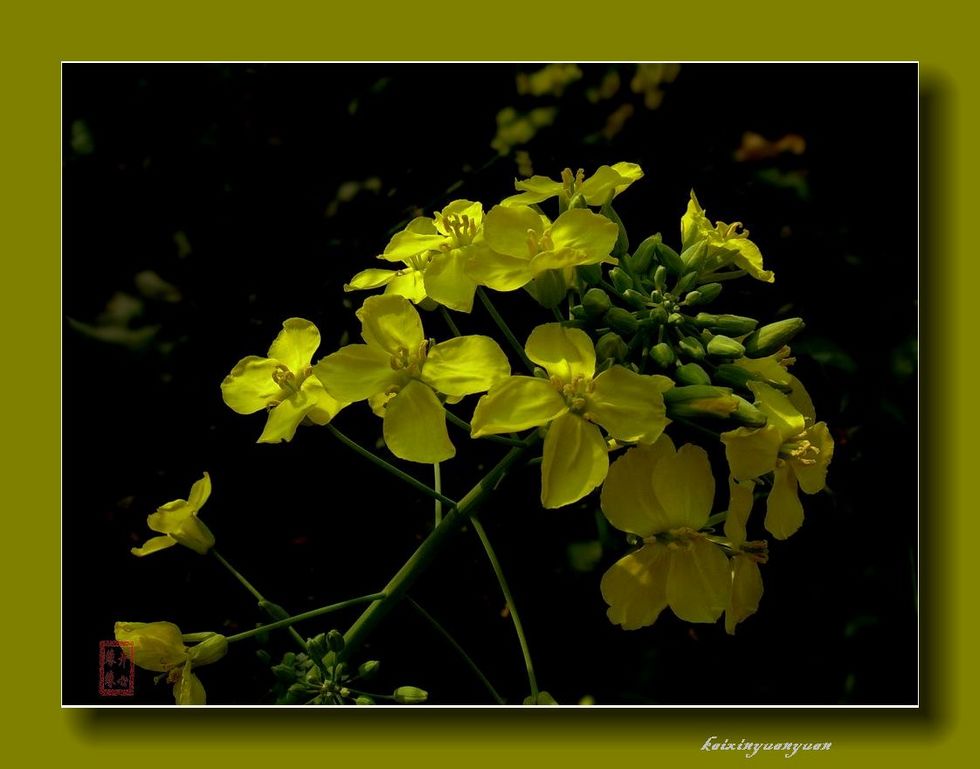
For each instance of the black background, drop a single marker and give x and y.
(246, 160)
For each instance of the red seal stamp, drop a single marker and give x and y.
(116, 669)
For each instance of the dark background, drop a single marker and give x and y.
(201, 209)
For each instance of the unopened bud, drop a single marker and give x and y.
(747, 414)
(621, 320)
(596, 302)
(700, 401)
(693, 297)
(410, 695)
(694, 255)
(335, 641)
(636, 299)
(363, 699)
(691, 347)
(732, 325)
(642, 258)
(663, 354)
(722, 346)
(670, 259)
(611, 345)
(622, 245)
(709, 292)
(212, 649)
(766, 340)
(660, 278)
(368, 669)
(691, 374)
(686, 283)
(548, 288)
(620, 279)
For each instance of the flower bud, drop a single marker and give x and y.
(694, 255)
(317, 646)
(722, 346)
(691, 347)
(732, 325)
(766, 340)
(589, 274)
(621, 320)
(692, 298)
(368, 669)
(548, 288)
(675, 319)
(692, 374)
(636, 299)
(274, 610)
(660, 277)
(700, 401)
(622, 245)
(709, 292)
(620, 279)
(335, 641)
(210, 650)
(669, 258)
(410, 695)
(663, 354)
(735, 376)
(363, 699)
(611, 345)
(642, 258)
(686, 283)
(596, 302)
(747, 414)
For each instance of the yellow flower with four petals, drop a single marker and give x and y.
(726, 245)
(178, 523)
(598, 189)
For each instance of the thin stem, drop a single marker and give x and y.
(459, 650)
(504, 328)
(449, 321)
(437, 482)
(464, 425)
(255, 593)
(427, 551)
(400, 474)
(511, 606)
(715, 519)
(290, 621)
(558, 316)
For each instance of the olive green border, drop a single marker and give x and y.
(37, 40)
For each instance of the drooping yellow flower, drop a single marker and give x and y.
(573, 402)
(178, 523)
(726, 245)
(775, 367)
(605, 184)
(797, 451)
(746, 578)
(524, 244)
(664, 496)
(435, 251)
(402, 374)
(282, 383)
(159, 646)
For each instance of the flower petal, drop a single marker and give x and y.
(285, 418)
(746, 591)
(740, 499)
(498, 271)
(250, 386)
(629, 406)
(813, 477)
(157, 646)
(533, 190)
(694, 223)
(699, 582)
(459, 209)
(295, 344)
(193, 533)
(169, 516)
(748, 257)
(409, 283)
(685, 486)
(446, 281)
(563, 352)
(188, 689)
(628, 499)
(326, 407)
(368, 279)
(389, 322)
(609, 181)
(589, 233)
(356, 372)
(419, 236)
(784, 513)
(576, 460)
(779, 410)
(516, 403)
(751, 452)
(465, 365)
(153, 544)
(635, 587)
(415, 426)
(200, 492)
(506, 229)
(800, 399)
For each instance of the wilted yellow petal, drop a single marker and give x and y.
(628, 499)
(629, 406)
(295, 344)
(699, 582)
(356, 372)
(746, 591)
(694, 224)
(157, 646)
(576, 460)
(685, 486)
(784, 513)
(250, 386)
(465, 365)
(415, 426)
(813, 477)
(390, 323)
(752, 452)
(516, 403)
(563, 352)
(635, 587)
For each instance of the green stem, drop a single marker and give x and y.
(511, 606)
(427, 551)
(290, 621)
(558, 316)
(459, 650)
(715, 519)
(449, 321)
(401, 475)
(251, 588)
(504, 328)
(463, 425)
(437, 482)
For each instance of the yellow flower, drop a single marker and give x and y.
(435, 252)
(159, 646)
(605, 184)
(791, 446)
(726, 245)
(282, 383)
(524, 244)
(746, 578)
(177, 521)
(664, 496)
(574, 403)
(402, 374)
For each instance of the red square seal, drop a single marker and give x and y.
(116, 669)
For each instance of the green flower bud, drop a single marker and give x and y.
(700, 401)
(548, 288)
(596, 302)
(723, 346)
(747, 414)
(363, 700)
(212, 649)
(660, 277)
(284, 673)
(642, 258)
(732, 325)
(578, 312)
(669, 258)
(274, 610)
(621, 320)
(611, 345)
(335, 641)
(543, 698)
(636, 298)
(733, 375)
(675, 319)
(694, 255)
(691, 374)
(622, 246)
(317, 646)
(657, 317)
(692, 298)
(663, 354)
(685, 284)
(264, 657)
(691, 347)
(766, 340)
(620, 279)
(410, 695)
(709, 292)
(368, 669)
(589, 274)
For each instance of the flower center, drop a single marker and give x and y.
(410, 362)
(288, 382)
(575, 392)
(538, 242)
(676, 539)
(571, 184)
(801, 451)
(461, 229)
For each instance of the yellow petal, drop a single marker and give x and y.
(576, 460)
(465, 365)
(609, 181)
(740, 499)
(415, 426)
(694, 224)
(356, 372)
(746, 591)
(498, 271)
(516, 403)
(419, 236)
(379, 402)
(157, 646)
(250, 386)
(326, 407)
(800, 399)
(563, 352)
(685, 486)
(368, 279)
(458, 209)
(813, 477)
(699, 582)
(446, 281)
(295, 344)
(194, 534)
(188, 689)
(506, 229)
(628, 499)
(749, 258)
(153, 544)
(285, 418)
(533, 190)
(752, 452)
(784, 513)
(390, 323)
(586, 232)
(169, 516)
(635, 587)
(629, 406)
(409, 283)
(200, 492)
(779, 410)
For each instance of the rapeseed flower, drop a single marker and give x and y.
(605, 184)
(178, 523)
(726, 245)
